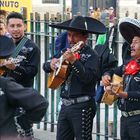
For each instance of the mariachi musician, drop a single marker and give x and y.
(78, 90)
(129, 97)
(13, 95)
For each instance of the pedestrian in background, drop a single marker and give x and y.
(104, 16)
(61, 42)
(112, 16)
(3, 30)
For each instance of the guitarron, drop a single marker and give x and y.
(117, 87)
(57, 77)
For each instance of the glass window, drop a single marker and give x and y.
(50, 1)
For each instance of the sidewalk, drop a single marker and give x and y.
(44, 135)
(47, 135)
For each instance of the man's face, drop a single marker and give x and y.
(75, 37)
(135, 47)
(16, 28)
(2, 29)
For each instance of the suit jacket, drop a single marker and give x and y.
(83, 75)
(27, 69)
(13, 95)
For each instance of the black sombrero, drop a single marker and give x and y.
(129, 28)
(82, 24)
(7, 46)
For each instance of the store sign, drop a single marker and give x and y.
(22, 6)
(9, 4)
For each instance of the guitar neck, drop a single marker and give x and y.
(2, 61)
(77, 46)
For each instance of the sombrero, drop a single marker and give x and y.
(82, 24)
(129, 28)
(7, 46)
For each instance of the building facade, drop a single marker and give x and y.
(131, 7)
(51, 6)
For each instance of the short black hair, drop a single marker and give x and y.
(15, 15)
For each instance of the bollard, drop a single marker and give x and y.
(110, 128)
(136, 15)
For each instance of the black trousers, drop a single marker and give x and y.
(130, 128)
(76, 121)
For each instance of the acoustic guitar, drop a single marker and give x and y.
(3, 63)
(58, 76)
(2, 68)
(117, 87)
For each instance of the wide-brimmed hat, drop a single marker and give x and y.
(7, 46)
(129, 28)
(82, 24)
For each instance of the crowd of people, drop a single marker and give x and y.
(22, 106)
(103, 15)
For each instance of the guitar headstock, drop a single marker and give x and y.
(77, 46)
(2, 62)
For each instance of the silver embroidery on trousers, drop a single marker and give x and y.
(86, 124)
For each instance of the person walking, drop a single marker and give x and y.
(129, 96)
(78, 90)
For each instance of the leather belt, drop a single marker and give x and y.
(71, 101)
(131, 113)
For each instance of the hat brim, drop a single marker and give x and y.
(129, 31)
(7, 47)
(93, 26)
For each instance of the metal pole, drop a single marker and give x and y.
(46, 54)
(64, 10)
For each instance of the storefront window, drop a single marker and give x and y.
(51, 1)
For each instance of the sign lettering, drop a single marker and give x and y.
(11, 4)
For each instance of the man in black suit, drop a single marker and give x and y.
(78, 90)
(13, 95)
